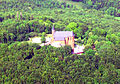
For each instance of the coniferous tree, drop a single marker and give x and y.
(17, 15)
(21, 15)
(43, 38)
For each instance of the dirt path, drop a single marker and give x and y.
(77, 4)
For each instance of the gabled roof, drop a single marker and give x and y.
(61, 35)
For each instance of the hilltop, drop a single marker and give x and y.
(96, 27)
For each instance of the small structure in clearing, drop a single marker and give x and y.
(60, 38)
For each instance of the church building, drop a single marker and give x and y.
(62, 38)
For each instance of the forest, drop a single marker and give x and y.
(95, 23)
(111, 7)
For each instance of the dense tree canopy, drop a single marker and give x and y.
(111, 7)
(97, 27)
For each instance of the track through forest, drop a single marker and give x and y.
(77, 4)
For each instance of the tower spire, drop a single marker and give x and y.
(53, 28)
(53, 31)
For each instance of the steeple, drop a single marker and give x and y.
(53, 29)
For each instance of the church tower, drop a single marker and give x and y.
(53, 31)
